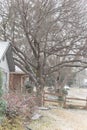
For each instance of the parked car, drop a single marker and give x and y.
(66, 87)
(83, 86)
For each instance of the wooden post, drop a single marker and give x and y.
(65, 102)
(86, 102)
(43, 98)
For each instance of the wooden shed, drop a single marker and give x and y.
(16, 81)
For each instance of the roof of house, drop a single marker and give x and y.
(5, 49)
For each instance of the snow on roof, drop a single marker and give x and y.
(3, 48)
(17, 69)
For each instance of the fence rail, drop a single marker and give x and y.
(75, 102)
(46, 99)
(69, 101)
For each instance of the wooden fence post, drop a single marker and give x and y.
(43, 98)
(65, 102)
(86, 102)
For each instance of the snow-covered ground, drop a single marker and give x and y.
(78, 92)
(63, 119)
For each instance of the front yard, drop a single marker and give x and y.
(55, 118)
(61, 119)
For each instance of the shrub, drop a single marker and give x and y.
(29, 87)
(72, 106)
(19, 105)
(64, 91)
(60, 98)
(12, 124)
(3, 107)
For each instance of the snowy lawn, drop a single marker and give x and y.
(63, 119)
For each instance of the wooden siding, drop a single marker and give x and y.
(16, 81)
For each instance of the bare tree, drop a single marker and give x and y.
(47, 36)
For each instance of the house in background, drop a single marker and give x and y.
(81, 78)
(6, 63)
(13, 77)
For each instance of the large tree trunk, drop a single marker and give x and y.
(39, 95)
(40, 83)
